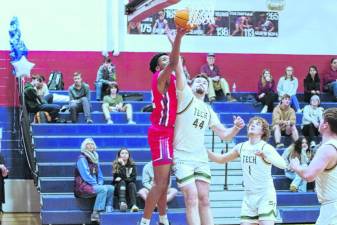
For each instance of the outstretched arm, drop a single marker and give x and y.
(165, 74)
(324, 156)
(221, 159)
(180, 75)
(228, 133)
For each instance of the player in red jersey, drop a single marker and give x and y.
(161, 131)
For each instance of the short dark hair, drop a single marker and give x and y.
(108, 88)
(154, 61)
(202, 75)
(330, 116)
(107, 60)
(332, 59)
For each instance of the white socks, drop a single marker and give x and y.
(144, 222)
(163, 219)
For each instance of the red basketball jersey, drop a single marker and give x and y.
(164, 105)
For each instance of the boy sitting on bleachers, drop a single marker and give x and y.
(113, 102)
(284, 121)
(147, 181)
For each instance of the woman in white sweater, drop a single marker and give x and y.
(288, 84)
(312, 116)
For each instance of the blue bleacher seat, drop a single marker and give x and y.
(57, 148)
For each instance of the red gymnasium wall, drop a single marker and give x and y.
(133, 73)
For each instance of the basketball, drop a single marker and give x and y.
(181, 19)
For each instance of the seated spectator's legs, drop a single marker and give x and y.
(211, 91)
(307, 96)
(121, 192)
(74, 107)
(292, 130)
(224, 87)
(297, 181)
(295, 103)
(49, 98)
(86, 108)
(132, 193)
(104, 197)
(129, 115)
(269, 100)
(171, 193)
(52, 109)
(333, 88)
(98, 85)
(143, 193)
(277, 134)
(310, 131)
(106, 111)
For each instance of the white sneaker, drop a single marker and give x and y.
(131, 122)
(264, 109)
(110, 122)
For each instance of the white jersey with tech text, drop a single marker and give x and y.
(256, 170)
(326, 182)
(193, 118)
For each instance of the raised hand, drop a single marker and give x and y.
(238, 122)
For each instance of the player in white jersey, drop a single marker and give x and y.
(323, 169)
(257, 157)
(190, 155)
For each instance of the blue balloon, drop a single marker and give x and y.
(18, 47)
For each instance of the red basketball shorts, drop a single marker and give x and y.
(161, 144)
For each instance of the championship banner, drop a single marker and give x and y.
(227, 23)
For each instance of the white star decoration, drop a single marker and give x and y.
(23, 67)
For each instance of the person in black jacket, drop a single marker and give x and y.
(124, 179)
(35, 104)
(312, 85)
(3, 174)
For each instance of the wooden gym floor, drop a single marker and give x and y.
(28, 219)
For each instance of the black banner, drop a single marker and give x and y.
(227, 23)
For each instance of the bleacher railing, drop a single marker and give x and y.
(25, 134)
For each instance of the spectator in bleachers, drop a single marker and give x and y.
(266, 91)
(106, 75)
(284, 121)
(312, 84)
(3, 174)
(43, 91)
(312, 116)
(288, 84)
(35, 104)
(296, 150)
(147, 180)
(79, 95)
(124, 179)
(330, 78)
(216, 82)
(113, 102)
(89, 180)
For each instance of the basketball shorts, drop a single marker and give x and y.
(161, 144)
(328, 214)
(258, 206)
(189, 171)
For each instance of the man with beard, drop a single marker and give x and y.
(191, 166)
(323, 169)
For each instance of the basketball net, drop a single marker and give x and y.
(201, 11)
(277, 5)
